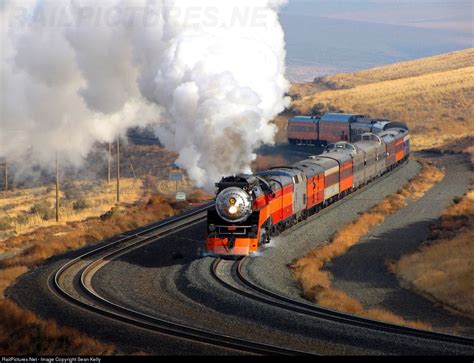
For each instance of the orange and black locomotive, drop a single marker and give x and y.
(250, 209)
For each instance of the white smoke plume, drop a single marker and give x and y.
(209, 75)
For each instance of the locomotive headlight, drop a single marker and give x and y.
(233, 209)
(234, 205)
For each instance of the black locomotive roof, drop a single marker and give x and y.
(242, 181)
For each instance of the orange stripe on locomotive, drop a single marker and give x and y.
(399, 153)
(315, 190)
(242, 246)
(345, 177)
(281, 207)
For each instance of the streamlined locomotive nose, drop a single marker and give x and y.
(234, 205)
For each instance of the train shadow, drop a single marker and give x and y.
(179, 248)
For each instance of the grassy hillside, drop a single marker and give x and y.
(433, 95)
(24, 210)
(440, 63)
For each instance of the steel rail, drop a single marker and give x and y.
(104, 307)
(141, 237)
(261, 294)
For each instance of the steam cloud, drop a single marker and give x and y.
(209, 76)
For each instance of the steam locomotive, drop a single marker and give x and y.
(250, 209)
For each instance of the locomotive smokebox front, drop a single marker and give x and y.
(234, 205)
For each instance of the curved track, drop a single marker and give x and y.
(232, 275)
(134, 282)
(73, 282)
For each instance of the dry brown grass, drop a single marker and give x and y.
(98, 198)
(21, 332)
(8, 275)
(298, 90)
(199, 196)
(438, 107)
(433, 95)
(440, 63)
(338, 300)
(49, 241)
(443, 269)
(316, 283)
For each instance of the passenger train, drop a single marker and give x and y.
(250, 209)
(333, 127)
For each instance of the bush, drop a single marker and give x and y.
(80, 204)
(319, 109)
(5, 223)
(77, 190)
(294, 96)
(7, 207)
(44, 210)
(114, 212)
(22, 219)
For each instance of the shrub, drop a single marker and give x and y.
(318, 109)
(80, 204)
(114, 212)
(5, 223)
(7, 207)
(44, 210)
(22, 219)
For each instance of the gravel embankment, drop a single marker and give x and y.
(362, 271)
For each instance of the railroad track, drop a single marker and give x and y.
(234, 278)
(73, 283)
(231, 274)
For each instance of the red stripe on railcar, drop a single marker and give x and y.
(302, 131)
(399, 150)
(346, 177)
(321, 185)
(311, 192)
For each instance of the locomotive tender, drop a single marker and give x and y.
(250, 209)
(333, 127)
